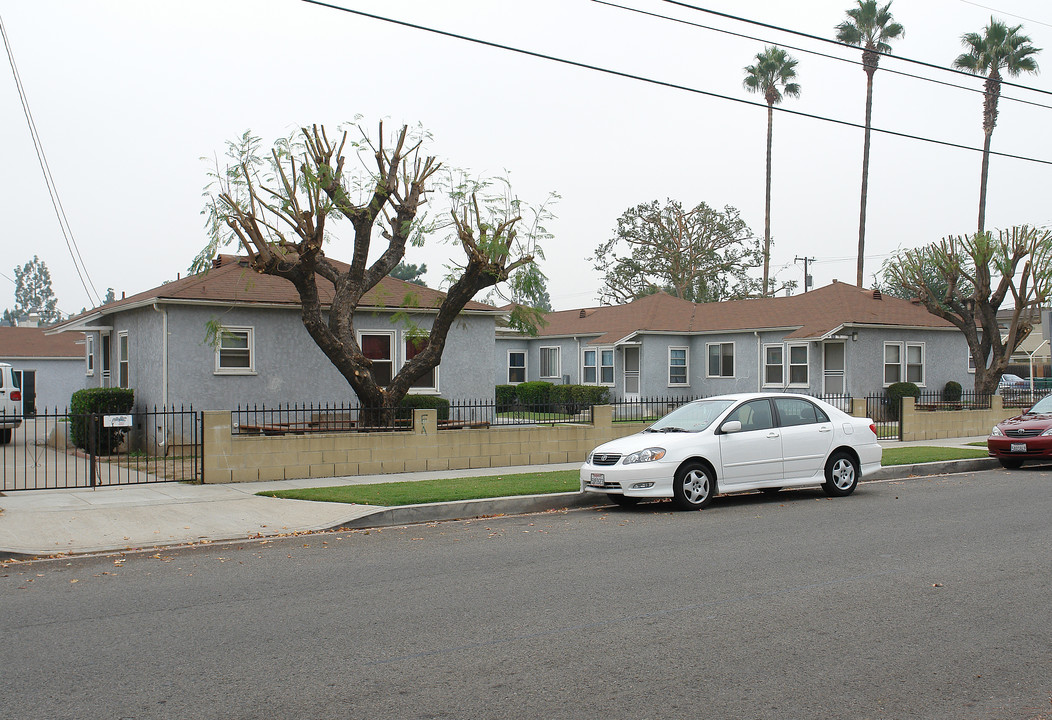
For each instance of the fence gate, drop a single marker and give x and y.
(886, 415)
(66, 450)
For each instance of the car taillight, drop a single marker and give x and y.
(16, 395)
(873, 428)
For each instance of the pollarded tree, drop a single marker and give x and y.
(998, 48)
(33, 293)
(966, 279)
(283, 209)
(701, 255)
(772, 76)
(868, 26)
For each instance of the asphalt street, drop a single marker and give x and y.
(915, 598)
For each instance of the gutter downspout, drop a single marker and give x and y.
(759, 362)
(163, 429)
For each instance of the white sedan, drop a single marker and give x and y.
(734, 443)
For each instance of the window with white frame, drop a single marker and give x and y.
(89, 356)
(235, 351)
(721, 359)
(606, 366)
(798, 365)
(429, 380)
(122, 359)
(378, 346)
(516, 367)
(550, 363)
(589, 367)
(903, 361)
(677, 366)
(773, 365)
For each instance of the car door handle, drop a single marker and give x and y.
(825, 428)
(772, 434)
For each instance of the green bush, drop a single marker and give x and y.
(575, 398)
(505, 398)
(897, 391)
(102, 401)
(427, 402)
(536, 392)
(951, 392)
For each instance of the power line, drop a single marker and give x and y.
(56, 202)
(890, 71)
(819, 38)
(1003, 12)
(662, 83)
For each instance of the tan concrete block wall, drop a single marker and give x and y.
(229, 458)
(933, 425)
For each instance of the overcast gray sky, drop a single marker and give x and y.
(129, 95)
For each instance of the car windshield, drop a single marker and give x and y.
(1042, 406)
(692, 417)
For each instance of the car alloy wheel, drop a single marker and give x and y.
(841, 475)
(694, 486)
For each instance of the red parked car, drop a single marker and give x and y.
(1024, 438)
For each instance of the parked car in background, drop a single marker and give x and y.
(733, 443)
(10, 403)
(1023, 438)
(1012, 385)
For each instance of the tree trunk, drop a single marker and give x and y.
(982, 181)
(865, 175)
(993, 92)
(767, 210)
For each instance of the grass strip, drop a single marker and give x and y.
(536, 483)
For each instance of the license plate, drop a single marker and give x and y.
(597, 480)
(1018, 447)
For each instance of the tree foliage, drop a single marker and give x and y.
(33, 293)
(283, 208)
(773, 76)
(998, 48)
(409, 272)
(966, 279)
(701, 255)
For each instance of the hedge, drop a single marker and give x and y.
(423, 402)
(897, 391)
(102, 401)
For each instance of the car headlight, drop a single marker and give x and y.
(996, 432)
(648, 455)
(1046, 433)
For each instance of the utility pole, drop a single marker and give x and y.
(807, 278)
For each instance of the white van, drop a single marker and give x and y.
(10, 403)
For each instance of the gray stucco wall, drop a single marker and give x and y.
(289, 367)
(56, 379)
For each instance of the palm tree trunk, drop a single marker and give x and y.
(865, 179)
(767, 211)
(982, 181)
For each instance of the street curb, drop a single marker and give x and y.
(524, 504)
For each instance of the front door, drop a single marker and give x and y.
(753, 454)
(27, 380)
(833, 369)
(631, 372)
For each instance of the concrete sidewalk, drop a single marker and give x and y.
(41, 523)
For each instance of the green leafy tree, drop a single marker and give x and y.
(110, 296)
(409, 273)
(966, 279)
(999, 48)
(870, 27)
(33, 293)
(282, 208)
(772, 76)
(701, 255)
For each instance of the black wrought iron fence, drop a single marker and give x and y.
(647, 409)
(937, 400)
(58, 449)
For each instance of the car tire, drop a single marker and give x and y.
(693, 486)
(841, 475)
(1011, 463)
(5, 436)
(623, 500)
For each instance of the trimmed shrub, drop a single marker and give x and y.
(427, 402)
(575, 398)
(952, 392)
(536, 392)
(103, 401)
(505, 397)
(897, 391)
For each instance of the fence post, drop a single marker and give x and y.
(92, 419)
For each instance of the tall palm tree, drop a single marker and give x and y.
(772, 76)
(868, 26)
(998, 48)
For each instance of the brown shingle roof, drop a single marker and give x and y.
(808, 315)
(230, 280)
(28, 342)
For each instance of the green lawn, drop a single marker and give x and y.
(469, 488)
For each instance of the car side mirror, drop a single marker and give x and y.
(731, 426)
